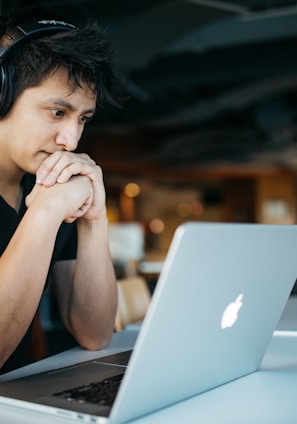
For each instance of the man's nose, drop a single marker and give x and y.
(68, 137)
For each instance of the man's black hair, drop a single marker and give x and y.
(84, 52)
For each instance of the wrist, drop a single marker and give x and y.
(45, 215)
(92, 223)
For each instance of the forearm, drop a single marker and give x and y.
(87, 295)
(23, 271)
(93, 303)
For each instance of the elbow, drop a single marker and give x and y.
(93, 344)
(92, 336)
(95, 341)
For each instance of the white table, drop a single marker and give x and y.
(267, 396)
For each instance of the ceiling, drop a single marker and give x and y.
(211, 84)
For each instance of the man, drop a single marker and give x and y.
(53, 223)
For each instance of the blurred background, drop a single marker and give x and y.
(209, 129)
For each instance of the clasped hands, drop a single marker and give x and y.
(75, 183)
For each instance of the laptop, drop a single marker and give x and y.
(219, 297)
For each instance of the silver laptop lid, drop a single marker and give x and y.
(218, 300)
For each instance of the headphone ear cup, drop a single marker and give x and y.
(4, 90)
(14, 37)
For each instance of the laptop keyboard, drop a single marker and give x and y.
(100, 393)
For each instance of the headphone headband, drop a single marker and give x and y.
(16, 35)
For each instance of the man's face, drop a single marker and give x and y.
(45, 119)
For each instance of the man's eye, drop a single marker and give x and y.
(57, 112)
(84, 119)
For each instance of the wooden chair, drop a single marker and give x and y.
(133, 300)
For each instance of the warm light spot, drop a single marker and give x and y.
(156, 226)
(183, 209)
(132, 190)
(112, 214)
(197, 208)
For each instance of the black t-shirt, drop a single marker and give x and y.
(65, 248)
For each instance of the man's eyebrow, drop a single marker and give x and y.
(67, 105)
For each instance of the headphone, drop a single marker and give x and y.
(16, 36)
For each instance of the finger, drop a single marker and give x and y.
(78, 168)
(60, 166)
(51, 168)
(78, 214)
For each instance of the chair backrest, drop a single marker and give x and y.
(133, 300)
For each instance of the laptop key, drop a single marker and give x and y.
(101, 393)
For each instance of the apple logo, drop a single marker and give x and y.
(230, 314)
